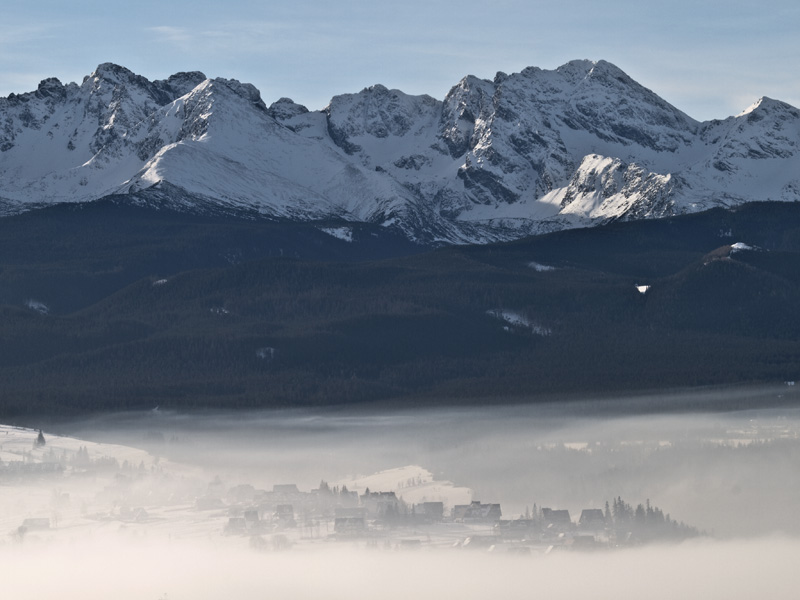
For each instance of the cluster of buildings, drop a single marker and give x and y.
(286, 513)
(277, 518)
(338, 511)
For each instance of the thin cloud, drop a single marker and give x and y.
(14, 35)
(171, 34)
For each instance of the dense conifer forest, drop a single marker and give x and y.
(110, 307)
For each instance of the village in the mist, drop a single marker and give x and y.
(567, 499)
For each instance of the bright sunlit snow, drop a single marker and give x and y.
(342, 233)
(739, 246)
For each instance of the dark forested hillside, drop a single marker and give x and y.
(113, 307)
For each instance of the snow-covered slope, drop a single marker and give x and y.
(215, 141)
(524, 153)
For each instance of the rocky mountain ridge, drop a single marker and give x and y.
(524, 153)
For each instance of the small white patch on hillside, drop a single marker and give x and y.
(159, 282)
(739, 246)
(642, 289)
(342, 233)
(518, 320)
(39, 307)
(220, 310)
(540, 267)
(266, 353)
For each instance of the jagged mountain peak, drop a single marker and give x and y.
(113, 92)
(603, 68)
(51, 86)
(469, 81)
(112, 71)
(48, 89)
(379, 93)
(110, 76)
(380, 90)
(577, 69)
(182, 83)
(285, 108)
(376, 111)
(120, 81)
(495, 159)
(765, 105)
(246, 91)
(377, 88)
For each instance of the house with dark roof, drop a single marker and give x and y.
(556, 520)
(379, 505)
(475, 512)
(428, 512)
(350, 521)
(517, 529)
(592, 519)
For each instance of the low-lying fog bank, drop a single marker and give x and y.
(163, 505)
(102, 569)
(727, 473)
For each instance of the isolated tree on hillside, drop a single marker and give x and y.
(40, 439)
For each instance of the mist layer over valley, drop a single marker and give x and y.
(148, 505)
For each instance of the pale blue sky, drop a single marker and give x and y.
(709, 58)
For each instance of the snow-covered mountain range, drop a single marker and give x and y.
(495, 160)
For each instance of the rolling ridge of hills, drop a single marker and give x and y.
(113, 306)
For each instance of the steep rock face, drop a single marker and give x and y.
(378, 112)
(538, 126)
(495, 159)
(607, 187)
(514, 142)
(285, 108)
(465, 104)
(58, 142)
(605, 102)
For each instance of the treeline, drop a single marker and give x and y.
(645, 523)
